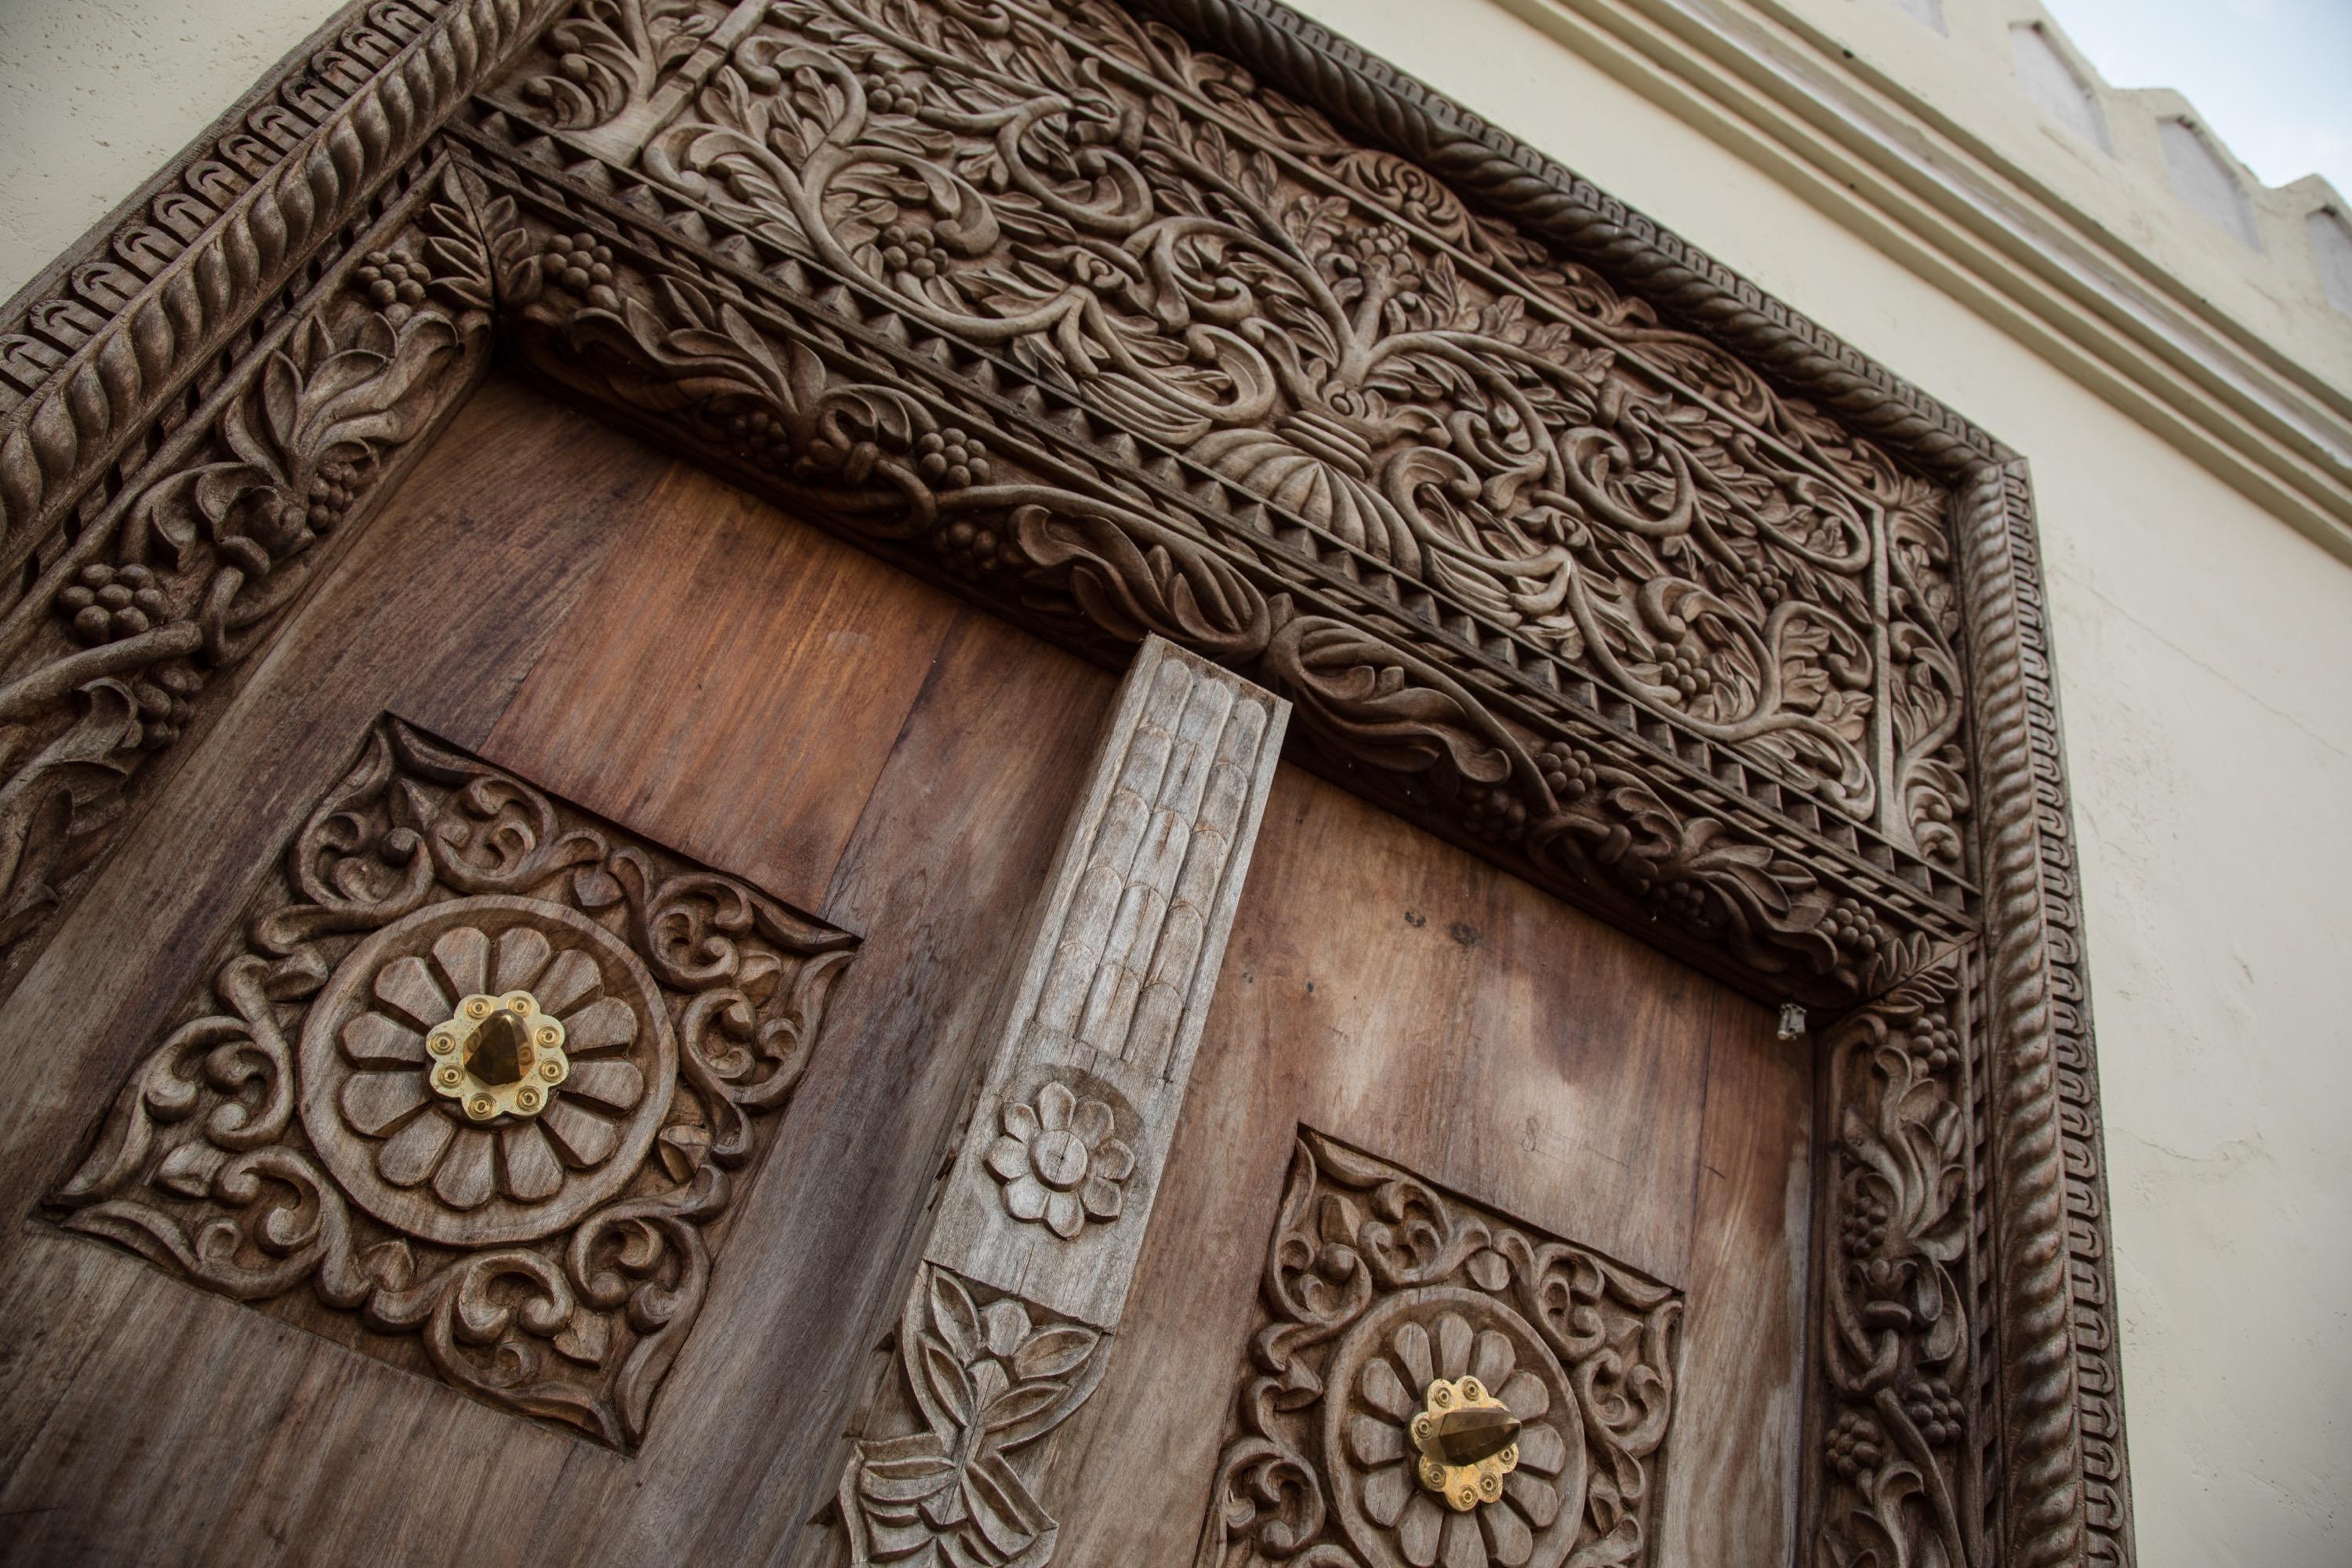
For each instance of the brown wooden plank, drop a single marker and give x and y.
(1731, 1486)
(730, 686)
(518, 492)
(953, 843)
(1391, 990)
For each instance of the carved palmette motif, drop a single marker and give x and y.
(945, 1471)
(1377, 1286)
(325, 1133)
(1896, 1420)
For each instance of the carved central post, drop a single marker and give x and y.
(1028, 1266)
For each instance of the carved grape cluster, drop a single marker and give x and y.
(886, 96)
(951, 459)
(1932, 1409)
(972, 550)
(1855, 930)
(110, 603)
(910, 250)
(1866, 1225)
(329, 495)
(167, 706)
(1683, 666)
(1764, 577)
(1493, 813)
(578, 262)
(1378, 248)
(1568, 770)
(1854, 1446)
(1684, 900)
(760, 437)
(1936, 1046)
(393, 284)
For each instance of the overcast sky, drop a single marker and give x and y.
(2271, 77)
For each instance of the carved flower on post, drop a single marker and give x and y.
(1059, 1163)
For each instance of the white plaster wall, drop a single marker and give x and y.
(2206, 654)
(95, 95)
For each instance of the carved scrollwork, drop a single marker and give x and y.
(1221, 271)
(553, 1256)
(125, 625)
(1896, 1342)
(897, 465)
(1380, 1286)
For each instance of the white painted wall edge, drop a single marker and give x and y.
(1879, 162)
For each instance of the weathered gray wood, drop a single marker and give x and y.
(1113, 991)
(1049, 1198)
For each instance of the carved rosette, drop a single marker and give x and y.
(414, 1157)
(1388, 1300)
(1383, 1373)
(484, 1071)
(1059, 1163)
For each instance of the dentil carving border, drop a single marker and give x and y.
(218, 386)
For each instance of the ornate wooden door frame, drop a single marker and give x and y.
(1747, 653)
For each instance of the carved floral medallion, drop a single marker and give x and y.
(1059, 1164)
(482, 1073)
(1435, 1383)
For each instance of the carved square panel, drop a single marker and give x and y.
(1434, 1382)
(472, 1089)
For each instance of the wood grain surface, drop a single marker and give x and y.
(647, 642)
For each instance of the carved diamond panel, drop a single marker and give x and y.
(1389, 1303)
(473, 1089)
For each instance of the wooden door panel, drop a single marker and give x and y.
(1396, 994)
(254, 1441)
(649, 644)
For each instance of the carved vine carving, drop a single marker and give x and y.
(1048, 463)
(1897, 1412)
(287, 1131)
(130, 619)
(886, 449)
(1377, 1285)
(1496, 437)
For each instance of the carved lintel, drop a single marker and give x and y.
(1049, 1195)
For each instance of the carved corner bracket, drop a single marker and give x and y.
(475, 1090)
(1562, 539)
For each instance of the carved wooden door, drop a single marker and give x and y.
(612, 1023)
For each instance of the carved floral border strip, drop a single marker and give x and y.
(124, 387)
